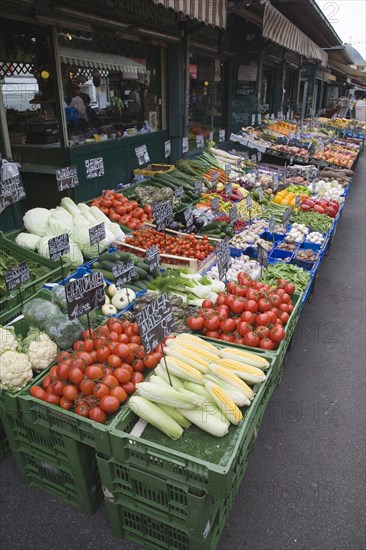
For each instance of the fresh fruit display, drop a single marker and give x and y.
(330, 208)
(119, 209)
(97, 377)
(187, 246)
(291, 150)
(336, 155)
(250, 313)
(298, 189)
(288, 198)
(282, 127)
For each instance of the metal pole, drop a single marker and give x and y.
(59, 91)
(187, 42)
(4, 127)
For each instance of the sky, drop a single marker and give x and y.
(348, 18)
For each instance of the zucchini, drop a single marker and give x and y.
(109, 256)
(140, 272)
(125, 256)
(213, 226)
(140, 285)
(108, 265)
(143, 265)
(107, 274)
(133, 287)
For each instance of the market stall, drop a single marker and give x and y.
(144, 335)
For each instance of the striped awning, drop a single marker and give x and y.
(212, 12)
(348, 71)
(278, 29)
(97, 60)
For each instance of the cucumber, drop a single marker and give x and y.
(109, 256)
(134, 287)
(140, 272)
(143, 265)
(140, 285)
(107, 274)
(96, 265)
(108, 265)
(212, 226)
(125, 256)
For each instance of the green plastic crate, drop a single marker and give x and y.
(150, 527)
(4, 444)
(277, 355)
(28, 289)
(55, 463)
(197, 462)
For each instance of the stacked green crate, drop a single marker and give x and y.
(177, 494)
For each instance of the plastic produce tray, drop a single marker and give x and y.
(198, 463)
(29, 288)
(56, 464)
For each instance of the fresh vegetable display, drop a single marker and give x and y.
(289, 272)
(209, 386)
(179, 306)
(323, 206)
(239, 263)
(315, 220)
(119, 209)
(7, 261)
(306, 255)
(102, 370)
(249, 313)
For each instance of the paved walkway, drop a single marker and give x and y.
(304, 488)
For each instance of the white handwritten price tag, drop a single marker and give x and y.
(142, 155)
(167, 148)
(94, 168)
(185, 145)
(200, 142)
(222, 135)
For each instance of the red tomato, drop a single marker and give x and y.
(251, 339)
(56, 388)
(84, 356)
(110, 381)
(248, 317)
(119, 393)
(262, 332)
(277, 334)
(78, 345)
(262, 320)
(94, 372)
(207, 304)
(228, 325)
(69, 392)
(227, 337)
(243, 327)
(109, 404)
(137, 377)
(264, 305)
(284, 317)
(151, 360)
(82, 410)
(284, 308)
(63, 356)
(213, 334)
(213, 323)
(237, 306)
(98, 415)
(87, 386)
(114, 361)
(76, 375)
(290, 288)
(88, 334)
(100, 390)
(37, 392)
(123, 375)
(138, 365)
(103, 353)
(129, 387)
(52, 398)
(195, 323)
(62, 371)
(65, 404)
(251, 305)
(116, 327)
(286, 298)
(266, 343)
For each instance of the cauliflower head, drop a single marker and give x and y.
(15, 370)
(8, 339)
(42, 352)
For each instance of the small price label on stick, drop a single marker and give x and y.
(84, 295)
(185, 145)
(259, 156)
(97, 233)
(254, 158)
(58, 246)
(16, 276)
(271, 224)
(198, 187)
(167, 148)
(67, 178)
(233, 214)
(223, 258)
(287, 216)
(262, 256)
(155, 322)
(123, 272)
(153, 257)
(228, 189)
(200, 142)
(222, 135)
(142, 155)
(297, 201)
(188, 217)
(162, 214)
(179, 193)
(211, 136)
(215, 206)
(313, 187)
(260, 193)
(214, 177)
(227, 169)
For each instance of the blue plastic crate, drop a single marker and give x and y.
(308, 266)
(77, 274)
(277, 256)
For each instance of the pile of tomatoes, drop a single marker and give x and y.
(250, 313)
(187, 246)
(101, 371)
(119, 209)
(330, 208)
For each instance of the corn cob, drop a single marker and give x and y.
(182, 370)
(161, 372)
(238, 397)
(250, 374)
(225, 404)
(168, 396)
(195, 340)
(207, 422)
(232, 379)
(245, 357)
(155, 416)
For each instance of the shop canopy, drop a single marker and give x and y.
(96, 60)
(211, 12)
(278, 29)
(348, 71)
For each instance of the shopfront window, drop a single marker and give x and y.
(206, 101)
(112, 87)
(28, 84)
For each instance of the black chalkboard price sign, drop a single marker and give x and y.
(123, 272)
(67, 178)
(198, 187)
(162, 214)
(153, 257)
(11, 191)
(188, 217)
(297, 201)
(155, 322)
(16, 276)
(97, 233)
(233, 214)
(262, 256)
(228, 188)
(215, 206)
(214, 177)
(223, 258)
(179, 193)
(287, 216)
(58, 246)
(84, 295)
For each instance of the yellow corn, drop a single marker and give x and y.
(232, 379)
(248, 373)
(187, 358)
(182, 370)
(245, 357)
(196, 340)
(225, 404)
(194, 350)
